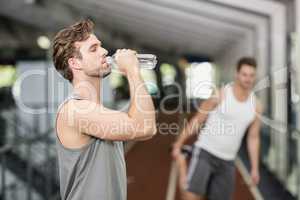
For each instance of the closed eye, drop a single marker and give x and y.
(94, 47)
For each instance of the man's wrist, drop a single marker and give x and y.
(177, 145)
(254, 169)
(133, 72)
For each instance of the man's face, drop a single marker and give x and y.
(93, 61)
(246, 76)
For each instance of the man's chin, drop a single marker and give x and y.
(102, 74)
(106, 74)
(247, 86)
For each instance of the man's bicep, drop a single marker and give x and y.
(255, 126)
(212, 102)
(206, 107)
(104, 123)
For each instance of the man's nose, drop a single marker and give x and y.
(105, 52)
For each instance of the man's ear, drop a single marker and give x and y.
(73, 63)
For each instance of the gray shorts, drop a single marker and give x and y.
(210, 177)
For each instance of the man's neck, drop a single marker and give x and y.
(240, 91)
(88, 89)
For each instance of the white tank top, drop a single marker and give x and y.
(226, 125)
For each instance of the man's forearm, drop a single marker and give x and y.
(141, 107)
(197, 121)
(190, 129)
(183, 137)
(253, 151)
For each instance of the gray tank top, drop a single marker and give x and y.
(96, 171)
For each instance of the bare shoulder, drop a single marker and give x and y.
(215, 99)
(217, 96)
(66, 130)
(258, 105)
(68, 110)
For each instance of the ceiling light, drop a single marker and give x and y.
(43, 42)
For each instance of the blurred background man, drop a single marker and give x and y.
(224, 119)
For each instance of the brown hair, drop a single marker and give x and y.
(246, 61)
(64, 48)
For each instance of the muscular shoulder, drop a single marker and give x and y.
(258, 105)
(216, 98)
(66, 129)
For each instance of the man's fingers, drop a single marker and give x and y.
(132, 51)
(126, 51)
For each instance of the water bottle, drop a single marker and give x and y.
(146, 61)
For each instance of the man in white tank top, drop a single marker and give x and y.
(221, 122)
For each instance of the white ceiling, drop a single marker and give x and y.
(192, 26)
(162, 26)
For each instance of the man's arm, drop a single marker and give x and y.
(141, 105)
(197, 121)
(192, 127)
(98, 121)
(253, 144)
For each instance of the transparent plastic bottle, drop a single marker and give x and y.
(146, 61)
